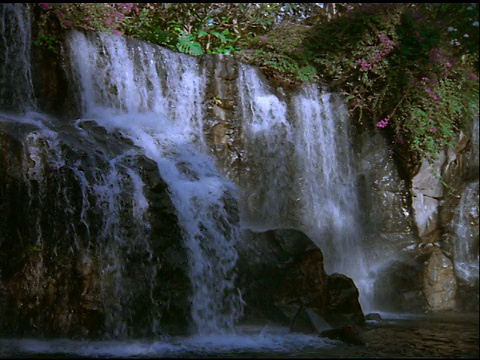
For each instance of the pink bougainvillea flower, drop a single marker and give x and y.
(67, 23)
(473, 76)
(116, 32)
(382, 123)
(365, 64)
(433, 129)
(44, 5)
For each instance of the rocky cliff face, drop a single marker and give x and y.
(412, 237)
(67, 267)
(414, 233)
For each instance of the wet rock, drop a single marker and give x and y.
(427, 190)
(264, 262)
(373, 317)
(306, 282)
(439, 281)
(55, 258)
(306, 320)
(287, 270)
(399, 286)
(343, 305)
(349, 334)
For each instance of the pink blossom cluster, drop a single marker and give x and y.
(383, 123)
(386, 42)
(429, 90)
(111, 15)
(386, 48)
(365, 64)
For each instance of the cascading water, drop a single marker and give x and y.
(154, 98)
(159, 109)
(269, 199)
(330, 211)
(465, 247)
(16, 89)
(80, 254)
(306, 177)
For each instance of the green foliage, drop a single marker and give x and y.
(408, 69)
(280, 65)
(49, 42)
(187, 44)
(281, 50)
(402, 64)
(430, 127)
(199, 28)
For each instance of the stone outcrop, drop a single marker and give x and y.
(439, 281)
(410, 213)
(288, 284)
(58, 271)
(350, 334)
(391, 239)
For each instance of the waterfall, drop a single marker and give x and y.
(139, 100)
(16, 89)
(329, 205)
(268, 136)
(155, 96)
(303, 174)
(465, 247)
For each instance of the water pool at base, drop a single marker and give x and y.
(451, 335)
(248, 341)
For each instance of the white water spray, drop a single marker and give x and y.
(304, 172)
(465, 247)
(159, 109)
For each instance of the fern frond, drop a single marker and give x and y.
(187, 45)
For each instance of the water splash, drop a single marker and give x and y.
(327, 181)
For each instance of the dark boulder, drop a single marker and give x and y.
(283, 280)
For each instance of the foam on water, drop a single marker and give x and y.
(273, 342)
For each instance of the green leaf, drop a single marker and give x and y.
(187, 44)
(220, 36)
